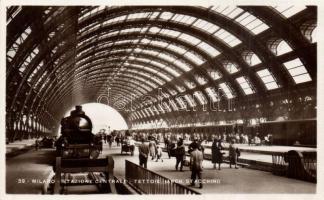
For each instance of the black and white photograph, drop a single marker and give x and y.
(156, 99)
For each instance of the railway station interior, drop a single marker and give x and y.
(92, 90)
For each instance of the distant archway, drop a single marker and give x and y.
(103, 117)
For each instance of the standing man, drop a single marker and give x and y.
(196, 159)
(180, 154)
(143, 153)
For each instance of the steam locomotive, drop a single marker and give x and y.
(77, 140)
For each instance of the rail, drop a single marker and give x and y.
(295, 164)
(149, 182)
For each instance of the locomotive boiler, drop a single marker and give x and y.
(76, 139)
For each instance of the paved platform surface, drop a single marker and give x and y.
(25, 172)
(226, 180)
(18, 145)
(36, 165)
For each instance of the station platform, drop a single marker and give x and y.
(19, 146)
(226, 180)
(26, 173)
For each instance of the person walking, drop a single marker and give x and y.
(143, 154)
(180, 154)
(196, 159)
(152, 147)
(158, 153)
(217, 155)
(233, 154)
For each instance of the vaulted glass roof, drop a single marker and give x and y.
(200, 53)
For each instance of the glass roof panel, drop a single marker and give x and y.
(213, 95)
(182, 65)
(160, 108)
(166, 15)
(173, 105)
(190, 39)
(245, 85)
(139, 15)
(209, 49)
(176, 48)
(201, 80)
(206, 26)
(181, 102)
(228, 11)
(201, 98)
(227, 91)
(190, 84)
(297, 71)
(172, 71)
(214, 74)
(166, 57)
(252, 23)
(165, 77)
(159, 43)
(230, 67)
(227, 37)
(184, 18)
(180, 88)
(268, 79)
(283, 48)
(171, 33)
(190, 100)
(166, 107)
(289, 11)
(194, 58)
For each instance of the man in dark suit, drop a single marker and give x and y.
(196, 159)
(143, 153)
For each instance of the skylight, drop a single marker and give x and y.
(212, 94)
(201, 80)
(182, 65)
(283, 48)
(230, 67)
(252, 23)
(190, 39)
(227, 37)
(227, 91)
(190, 100)
(183, 19)
(289, 11)
(181, 102)
(206, 26)
(209, 49)
(297, 71)
(201, 98)
(228, 11)
(268, 79)
(194, 58)
(214, 74)
(245, 85)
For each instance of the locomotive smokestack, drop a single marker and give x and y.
(78, 110)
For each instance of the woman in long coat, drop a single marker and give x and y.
(152, 147)
(217, 155)
(233, 154)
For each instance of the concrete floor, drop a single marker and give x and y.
(24, 172)
(36, 165)
(226, 180)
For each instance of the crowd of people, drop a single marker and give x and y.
(150, 148)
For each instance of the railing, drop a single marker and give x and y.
(295, 164)
(279, 164)
(149, 182)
